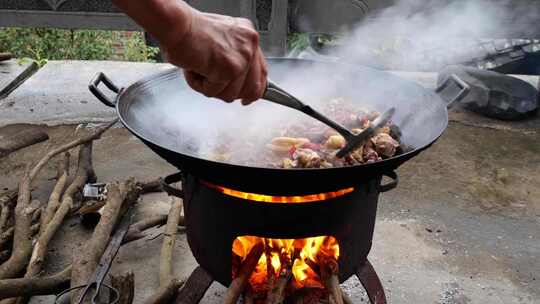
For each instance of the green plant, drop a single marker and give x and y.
(135, 49)
(298, 41)
(42, 44)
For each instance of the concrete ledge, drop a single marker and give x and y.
(58, 93)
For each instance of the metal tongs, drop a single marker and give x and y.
(104, 265)
(275, 94)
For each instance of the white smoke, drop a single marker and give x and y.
(427, 34)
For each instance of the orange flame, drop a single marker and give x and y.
(280, 199)
(300, 252)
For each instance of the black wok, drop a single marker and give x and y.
(177, 122)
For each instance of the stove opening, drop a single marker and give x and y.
(276, 269)
(280, 199)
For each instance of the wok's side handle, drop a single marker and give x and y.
(171, 179)
(93, 87)
(391, 185)
(462, 85)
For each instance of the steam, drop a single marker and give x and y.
(426, 35)
(172, 115)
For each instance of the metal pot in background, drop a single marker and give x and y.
(494, 94)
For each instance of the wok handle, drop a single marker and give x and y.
(171, 179)
(93, 87)
(391, 185)
(464, 88)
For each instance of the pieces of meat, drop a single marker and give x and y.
(385, 145)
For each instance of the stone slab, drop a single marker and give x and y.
(58, 93)
(13, 73)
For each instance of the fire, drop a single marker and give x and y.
(302, 255)
(280, 199)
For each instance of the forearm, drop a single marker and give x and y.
(166, 20)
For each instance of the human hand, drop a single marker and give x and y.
(221, 57)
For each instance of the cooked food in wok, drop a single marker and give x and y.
(312, 145)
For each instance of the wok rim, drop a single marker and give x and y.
(383, 163)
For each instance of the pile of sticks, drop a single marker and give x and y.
(27, 227)
(280, 288)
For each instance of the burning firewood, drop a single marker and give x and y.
(309, 296)
(329, 275)
(240, 282)
(276, 294)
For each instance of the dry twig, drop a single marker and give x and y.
(35, 286)
(85, 172)
(22, 140)
(7, 203)
(165, 263)
(54, 198)
(22, 244)
(165, 293)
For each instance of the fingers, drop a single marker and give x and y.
(255, 84)
(201, 84)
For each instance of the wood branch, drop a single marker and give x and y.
(136, 231)
(22, 140)
(242, 278)
(6, 236)
(22, 239)
(7, 203)
(36, 215)
(165, 293)
(54, 198)
(125, 285)
(6, 56)
(77, 142)
(84, 173)
(119, 195)
(346, 298)
(4, 255)
(22, 244)
(35, 286)
(329, 276)
(165, 263)
(195, 287)
(151, 186)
